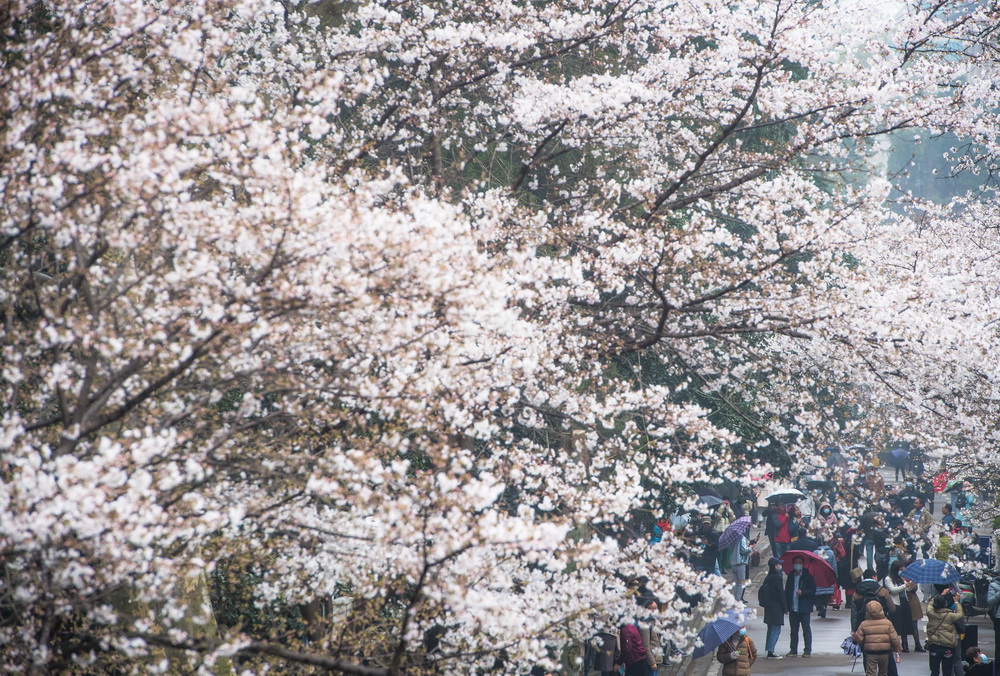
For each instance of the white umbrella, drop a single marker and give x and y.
(785, 494)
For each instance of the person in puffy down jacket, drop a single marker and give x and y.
(737, 654)
(878, 638)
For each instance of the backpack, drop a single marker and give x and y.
(632, 649)
(888, 606)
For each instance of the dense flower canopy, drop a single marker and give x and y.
(417, 303)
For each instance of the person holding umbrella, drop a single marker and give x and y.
(737, 654)
(771, 596)
(783, 526)
(737, 541)
(800, 595)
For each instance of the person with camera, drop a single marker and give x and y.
(942, 635)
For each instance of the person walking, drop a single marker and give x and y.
(633, 651)
(942, 636)
(800, 595)
(869, 590)
(771, 597)
(737, 654)
(902, 616)
(878, 639)
(740, 562)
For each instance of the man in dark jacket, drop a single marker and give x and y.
(805, 541)
(800, 595)
(867, 590)
(771, 597)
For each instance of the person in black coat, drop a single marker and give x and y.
(800, 596)
(771, 596)
(805, 541)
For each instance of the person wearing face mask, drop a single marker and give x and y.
(977, 664)
(771, 597)
(826, 522)
(800, 595)
(737, 654)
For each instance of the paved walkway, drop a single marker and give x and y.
(827, 659)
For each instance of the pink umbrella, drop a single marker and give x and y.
(821, 571)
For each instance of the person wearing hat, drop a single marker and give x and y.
(771, 596)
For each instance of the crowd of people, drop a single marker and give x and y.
(867, 531)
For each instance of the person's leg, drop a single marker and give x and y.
(739, 576)
(773, 633)
(948, 661)
(780, 548)
(934, 659)
(916, 637)
(807, 634)
(870, 553)
(871, 664)
(793, 627)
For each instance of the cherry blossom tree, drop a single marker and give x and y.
(366, 300)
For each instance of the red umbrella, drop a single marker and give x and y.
(821, 571)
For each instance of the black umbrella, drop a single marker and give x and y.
(703, 492)
(709, 500)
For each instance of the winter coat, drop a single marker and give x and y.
(827, 524)
(724, 516)
(804, 544)
(740, 666)
(898, 591)
(876, 634)
(868, 588)
(807, 585)
(916, 610)
(941, 624)
(631, 647)
(651, 639)
(607, 650)
(780, 526)
(920, 523)
(771, 597)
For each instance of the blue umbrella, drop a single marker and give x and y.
(930, 571)
(900, 453)
(717, 631)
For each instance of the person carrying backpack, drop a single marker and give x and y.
(867, 590)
